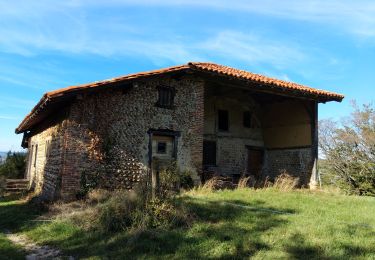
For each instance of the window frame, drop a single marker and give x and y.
(166, 97)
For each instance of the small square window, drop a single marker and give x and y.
(162, 148)
(166, 97)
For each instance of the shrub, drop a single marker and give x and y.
(2, 185)
(186, 182)
(88, 182)
(123, 210)
(348, 148)
(117, 212)
(111, 211)
(172, 180)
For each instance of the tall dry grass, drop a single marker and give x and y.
(285, 182)
(218, 183)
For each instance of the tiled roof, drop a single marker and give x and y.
(245, 75)
(263, 83)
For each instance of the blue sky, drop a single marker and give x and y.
(46, 45)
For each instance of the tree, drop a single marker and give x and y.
(14, 166)
(348, 147)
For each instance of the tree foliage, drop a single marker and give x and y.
(349, 150)
(14, 166)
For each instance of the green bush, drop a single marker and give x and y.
(112, 211)
(172, 180)
(349, 152)
(123, 210)
(88, 182)
(186, 182)
(117, 213)
(2, 185)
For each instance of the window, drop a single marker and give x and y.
(209, 153)
(30, 161)
(162, 148)
(223, 120)
(47, 148)
(247, 116)
(36, 155)
(166, 97)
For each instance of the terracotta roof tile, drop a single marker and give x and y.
(245, 75)
(219, 70)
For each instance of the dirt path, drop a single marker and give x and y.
(34, 251)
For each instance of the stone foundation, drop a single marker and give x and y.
(295, 162)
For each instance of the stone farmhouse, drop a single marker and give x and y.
(207, 118)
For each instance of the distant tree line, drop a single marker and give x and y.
(14, 166)
(348, 148)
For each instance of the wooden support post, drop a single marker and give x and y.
(314, 180)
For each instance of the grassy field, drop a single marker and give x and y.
(259, 224)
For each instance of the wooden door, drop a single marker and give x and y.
(255, 162)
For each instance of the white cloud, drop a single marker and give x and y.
(253, 49)
(30, 27)
(70, 27)
(9, 117)
(356, 17)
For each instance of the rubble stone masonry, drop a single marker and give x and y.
(104, 136)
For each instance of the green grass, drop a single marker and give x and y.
(8, 250)
(14, 214)
(272, 224)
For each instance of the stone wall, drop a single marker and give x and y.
(103, 135)
(297, 162)
(107, 132)
(282, 127)
(44, 165)
(231, 145)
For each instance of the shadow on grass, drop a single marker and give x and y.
(299, 248)
(220, 230)
(8, 250)
(16, 214)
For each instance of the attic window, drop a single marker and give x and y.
(166, 97)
